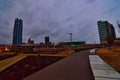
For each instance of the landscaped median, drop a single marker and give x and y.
(65, 53)
(10, 61)
(111, 56)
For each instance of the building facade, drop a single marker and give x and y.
(71, 44)
(106, 32)
(17, 31)
(30, 41)
(47, 40)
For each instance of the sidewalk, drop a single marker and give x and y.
(74, 67)
(101, 70)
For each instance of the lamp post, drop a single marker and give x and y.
(70, 38)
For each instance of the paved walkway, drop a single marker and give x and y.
(101, 70)
(74, 67)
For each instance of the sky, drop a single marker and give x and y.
(57, 18)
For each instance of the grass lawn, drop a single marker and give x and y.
(65, 53)
(5, 56)
(111, 56)
(10, 61)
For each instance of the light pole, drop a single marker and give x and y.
(70, 38)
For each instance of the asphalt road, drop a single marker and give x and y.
(74, 67)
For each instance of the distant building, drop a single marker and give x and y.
(73, 43)
(106, 32)
(47, 40)
(17, 31)
(30, 41)
(117, 41)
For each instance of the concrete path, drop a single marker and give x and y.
(101, 70)
(74, 67)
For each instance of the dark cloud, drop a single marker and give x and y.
(54, 18)
(110, 10)
(91, 1)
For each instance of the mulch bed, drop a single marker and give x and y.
(27, 66)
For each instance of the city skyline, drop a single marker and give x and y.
(57, 18)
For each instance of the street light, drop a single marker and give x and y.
(70, 37)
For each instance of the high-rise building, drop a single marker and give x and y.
(106, 32)
(17, 32)
(47, 40)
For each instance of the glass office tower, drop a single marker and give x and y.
(106, 32)
(47, 41)
(17, 32)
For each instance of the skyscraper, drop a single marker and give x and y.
(47, 40)
(106, 32)
(17, 32)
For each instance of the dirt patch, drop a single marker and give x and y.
(110, 56)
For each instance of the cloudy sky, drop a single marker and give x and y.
(57, 18)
